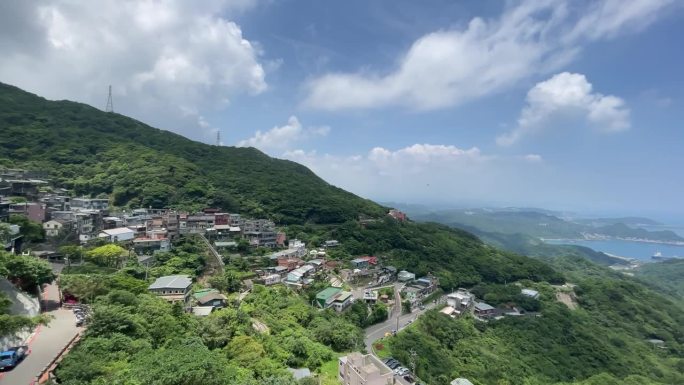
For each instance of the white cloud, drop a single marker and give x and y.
(449, 67)
(533, 158)
(567, 94)
(431, 173)
(168, 61)
(283, 137)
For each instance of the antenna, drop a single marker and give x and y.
(218, 137)
(110, 104)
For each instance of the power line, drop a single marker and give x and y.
(110, 103)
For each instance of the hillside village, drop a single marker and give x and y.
(144, 234)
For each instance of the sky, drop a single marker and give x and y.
(565, 104)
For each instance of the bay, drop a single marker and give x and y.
(630, 249)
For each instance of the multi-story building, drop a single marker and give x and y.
(34, 211)
(359, 369)
(173, 288)
(260, 232)
(101, 204)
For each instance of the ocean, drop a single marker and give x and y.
(630, 249)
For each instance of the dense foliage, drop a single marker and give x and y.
(27, 273)
(667, 276)
(604, 341)
(140, 339)
(456, 257)
(93, 152)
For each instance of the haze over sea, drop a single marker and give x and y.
(630, 249)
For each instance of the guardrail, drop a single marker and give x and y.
(213, 251)
(46, 374)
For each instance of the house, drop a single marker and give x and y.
(484, 310)
(210, 297)
(427, 285)
(280, 270)
(325, 298)
(360, 369)
(272, 279)
(370, 296)
(260, 232)
(280, 239)
(530, 293)
(460, 381)
(32, 210)
(173, 288)
(53, 227)
(151, 245)
(398, 215)
(448, 310)
(342, 301)
(461, 300)
(101, 204)
(112, 222)
(405, 276)
(290, 263)
(316, 263)
(331, 243)
(296, 244)
(119, 234)
(359, 263)
(202, 311)
(298, 274)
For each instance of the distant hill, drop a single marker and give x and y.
(541, 224)
(630, 221)
(668, 276)
(93, 152)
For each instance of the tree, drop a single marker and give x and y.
(32, 231)
(72, 252)
(27, 272)
(110, 255)
(406, 306)
(228, 282)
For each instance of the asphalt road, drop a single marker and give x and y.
(46, 342)
(397, 321)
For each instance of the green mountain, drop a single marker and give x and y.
(667, 276)
(93, 152)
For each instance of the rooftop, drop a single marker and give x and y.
(483, 306)
(327, 293)
(171, 282)
(118, 231)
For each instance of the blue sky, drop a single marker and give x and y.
(572, 105)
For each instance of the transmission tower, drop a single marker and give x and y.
(110, 103)
(218, 137)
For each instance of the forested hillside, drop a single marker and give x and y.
(603, 341)
(93, 152)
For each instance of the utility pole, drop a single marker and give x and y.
(110, 103)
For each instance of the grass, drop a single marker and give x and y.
(328, 372)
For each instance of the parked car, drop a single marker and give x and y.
(12, 356)
(409, 378)
(403, 371)
(394, 364)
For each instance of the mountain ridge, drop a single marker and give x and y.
(94, 152)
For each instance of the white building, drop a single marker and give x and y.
(119, 234)
(53, 227)
(358, 369)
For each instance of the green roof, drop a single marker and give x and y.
(204, 292)
(327, 293)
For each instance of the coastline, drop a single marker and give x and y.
(606, 238)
